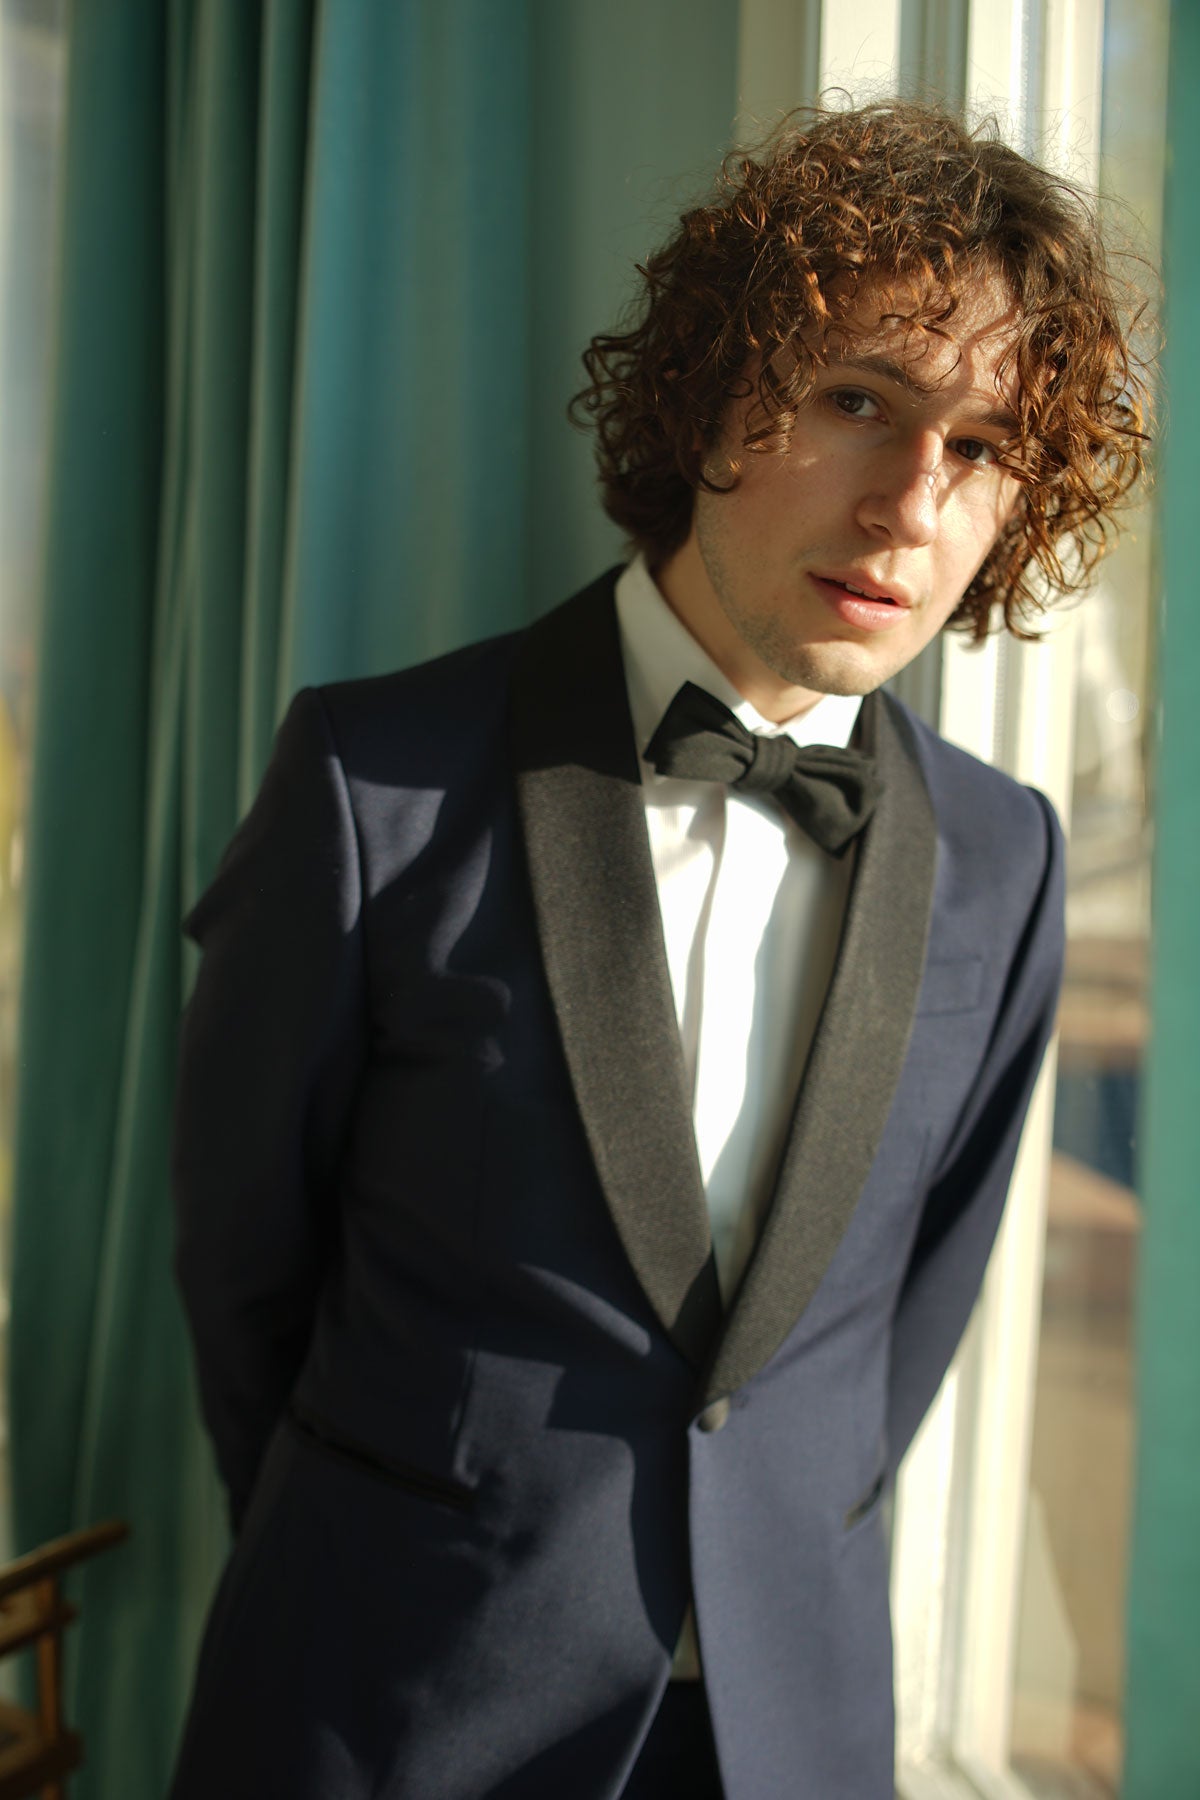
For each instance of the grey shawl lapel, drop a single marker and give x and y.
(855, 1062)
(579, 793)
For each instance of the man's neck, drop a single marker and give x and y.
(661, 653)
(684, 584)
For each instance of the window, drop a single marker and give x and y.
(1012, 1513)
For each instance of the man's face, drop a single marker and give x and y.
(827, 569)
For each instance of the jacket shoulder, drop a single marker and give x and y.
(462, 689)
(984, 813)
(434, 720)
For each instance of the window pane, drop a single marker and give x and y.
(1067, 1700)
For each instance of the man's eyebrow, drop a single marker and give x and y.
(901, 373)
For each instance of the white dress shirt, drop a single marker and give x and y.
(752, 911)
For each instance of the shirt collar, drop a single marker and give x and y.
(660, 654)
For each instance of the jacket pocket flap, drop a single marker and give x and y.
(422, 1483)
(952, 985)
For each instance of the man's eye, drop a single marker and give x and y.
(974, 450)
(855, 403)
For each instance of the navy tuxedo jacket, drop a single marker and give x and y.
(443, 1243)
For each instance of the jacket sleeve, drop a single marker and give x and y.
(272, 1051)
(966, 1197)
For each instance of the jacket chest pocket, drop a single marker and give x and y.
(951, 985)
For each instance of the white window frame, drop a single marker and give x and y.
(959, 1521)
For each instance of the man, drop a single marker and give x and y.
(596, 1103)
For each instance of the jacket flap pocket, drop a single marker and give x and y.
(952, 985)
(422, 1483)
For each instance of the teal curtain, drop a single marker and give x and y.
(1163, 1694)
(325, 272)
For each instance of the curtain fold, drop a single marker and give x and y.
(324, 265)
(85, 859)
(281, 181)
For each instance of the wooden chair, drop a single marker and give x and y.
(37, 1749)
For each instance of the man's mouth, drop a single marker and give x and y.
(863, 604)
(864, 589)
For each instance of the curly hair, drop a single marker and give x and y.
(902, 204)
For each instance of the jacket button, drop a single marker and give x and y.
(714, 1415)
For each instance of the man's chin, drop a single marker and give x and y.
(836, 669)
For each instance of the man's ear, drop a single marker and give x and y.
(720, 471)
(720, 466)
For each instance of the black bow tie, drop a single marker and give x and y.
(830, 793)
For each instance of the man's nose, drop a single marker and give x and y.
(904, 491)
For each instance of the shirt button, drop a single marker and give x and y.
(715, 1414)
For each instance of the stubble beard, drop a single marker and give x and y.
(831, 667)
(828, 668)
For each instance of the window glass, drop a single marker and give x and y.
(1067, 1698)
